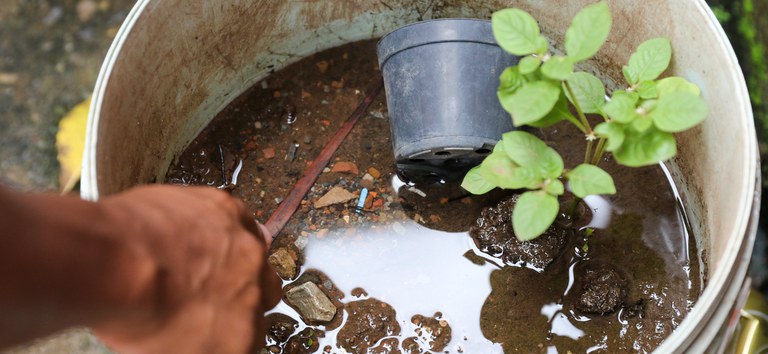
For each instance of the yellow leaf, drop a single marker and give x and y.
(70, 143)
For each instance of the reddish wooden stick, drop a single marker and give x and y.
(288, 206)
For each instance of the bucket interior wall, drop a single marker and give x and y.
(175, 64)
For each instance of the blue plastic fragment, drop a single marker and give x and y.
(361, 201)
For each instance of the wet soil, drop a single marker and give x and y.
(493, 234)
(368, 321)
(601, 289)
(410, 248)
(432, 333)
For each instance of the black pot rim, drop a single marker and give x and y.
(427, 32)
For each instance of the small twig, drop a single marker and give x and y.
(223, 167)
(285, 210)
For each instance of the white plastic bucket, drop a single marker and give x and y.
(175, 64)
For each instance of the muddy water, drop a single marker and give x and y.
(410, 249)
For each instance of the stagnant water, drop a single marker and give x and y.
(411, 250)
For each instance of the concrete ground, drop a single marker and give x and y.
(51, 51)
(50, 55)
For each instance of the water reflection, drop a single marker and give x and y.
(414, 269)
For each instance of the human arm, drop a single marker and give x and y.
(153, 266)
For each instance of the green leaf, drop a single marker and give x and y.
(679, 111)
(644, 149)
(628, 75)
(533, 214)
(529, 151)
(558, 113)
(650, 60)
(524, 177)
(676, 84)
(529, 64)
(588, 31)
(614, 132)
(516, 31)
(588, 179)
(647, 90)
(558, 68)
(542, 45)
(497, 168)
(510, 81)
(475, 183)
(500, 170)
(588, 91)
(555, 187)
(531, 102)
(642, 123)
(621, 107)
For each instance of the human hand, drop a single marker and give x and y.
(203, 280)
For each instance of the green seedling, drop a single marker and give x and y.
(636, 124)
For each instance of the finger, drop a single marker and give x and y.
(259, 330)
(265, 234)
(271, 286)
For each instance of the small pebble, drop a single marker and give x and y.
(398, 227)
(377, 114)
(301, 242)
(322, 66)
(269, 153)
(374, 172)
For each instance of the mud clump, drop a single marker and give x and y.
(432, 334)
(493, 235)
(304, 342)
(603, 289)
(387, 346)
(368, 322)
(280, 327)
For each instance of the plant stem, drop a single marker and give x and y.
(588, 153)
(576, 122)
(582, 117)
(598, 156)
(574, 208)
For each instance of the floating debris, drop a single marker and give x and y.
(417, 191)
(345, 167)
(361, 201)
(291, 154)
(290, 114)
(336, 195)
(233, 181)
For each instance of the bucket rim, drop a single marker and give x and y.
(698, 329)
(89, 181)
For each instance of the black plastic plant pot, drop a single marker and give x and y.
(441, 78)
